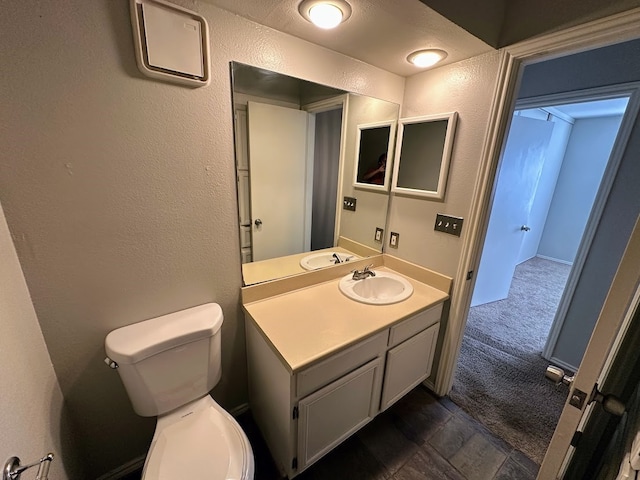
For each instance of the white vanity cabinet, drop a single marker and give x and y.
(304, 414)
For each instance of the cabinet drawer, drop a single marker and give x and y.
(328, 370)
(408, 364)
(399, 333)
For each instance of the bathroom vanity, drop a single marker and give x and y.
(322, 365)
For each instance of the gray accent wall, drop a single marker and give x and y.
(584, 163)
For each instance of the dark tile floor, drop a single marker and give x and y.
(421, 437)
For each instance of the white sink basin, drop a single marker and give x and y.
(383, 289)
(325, 259)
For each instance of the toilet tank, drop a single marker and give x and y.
(168, 361)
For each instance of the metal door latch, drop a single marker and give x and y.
(610, 403)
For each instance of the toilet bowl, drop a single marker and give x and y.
(199, 440)
(168, 365)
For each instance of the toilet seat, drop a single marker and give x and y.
(199, 441)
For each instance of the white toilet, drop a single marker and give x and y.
(168, 366)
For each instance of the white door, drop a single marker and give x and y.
(619, 306)
(279, 175)
(520, 171)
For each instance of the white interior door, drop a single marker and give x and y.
(279, 175)
(518, 179)
(619, 306)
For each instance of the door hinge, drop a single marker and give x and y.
(469, 274)
(575, 440)
(294, 463)
(295, 412)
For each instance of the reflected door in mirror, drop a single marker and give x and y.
(278, 154)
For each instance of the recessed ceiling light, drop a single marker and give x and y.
(325, 13)
(426, 58)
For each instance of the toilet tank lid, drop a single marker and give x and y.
(135, 342)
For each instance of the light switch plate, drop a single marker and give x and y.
(349, 203)
(448, 224)
(379, 235)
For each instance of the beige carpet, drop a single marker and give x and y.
(500, 375)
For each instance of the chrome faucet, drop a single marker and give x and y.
(364, 273)
(339, 260)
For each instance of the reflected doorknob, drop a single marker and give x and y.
(258, 222)
(525, 228)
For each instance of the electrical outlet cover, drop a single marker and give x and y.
(394, 238)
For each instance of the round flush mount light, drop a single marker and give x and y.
(426, 58)
(325, 13)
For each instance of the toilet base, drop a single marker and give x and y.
(199, 440)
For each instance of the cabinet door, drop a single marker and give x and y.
(408, 364)
(336, 411)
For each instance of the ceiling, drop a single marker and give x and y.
(384, 32)
(379, 32)
(597, 108)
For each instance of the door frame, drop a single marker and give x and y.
(632, 90)
(607, 31)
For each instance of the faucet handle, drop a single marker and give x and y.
(365, 269)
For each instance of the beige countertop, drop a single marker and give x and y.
(309, 323)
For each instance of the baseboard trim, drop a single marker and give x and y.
(125, 469)
(239, 410)
(559, 363)
(554, 259)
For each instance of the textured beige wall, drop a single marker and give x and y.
(119, 190)
(31, 405)
(467, 88)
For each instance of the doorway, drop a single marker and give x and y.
(545, 197)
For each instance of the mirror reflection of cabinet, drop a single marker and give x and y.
(422, 158)
(374, 146)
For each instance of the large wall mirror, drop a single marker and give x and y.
(423, 154)
(296, 148)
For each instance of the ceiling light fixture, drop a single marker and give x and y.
(325, 13)
(426, 58)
